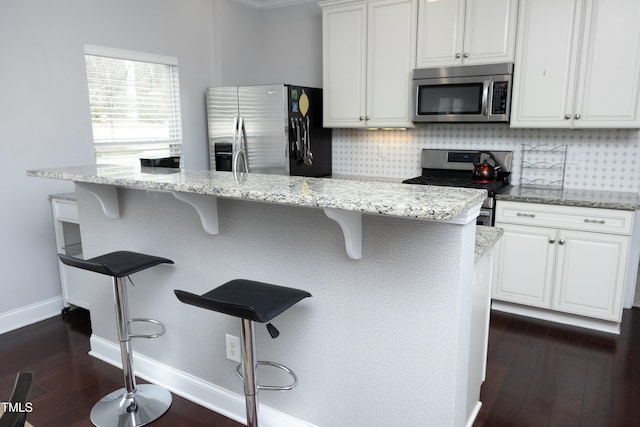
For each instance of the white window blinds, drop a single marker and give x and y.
(135, 105)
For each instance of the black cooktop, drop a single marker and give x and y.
(458, 179)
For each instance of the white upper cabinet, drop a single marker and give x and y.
(368, 53)
(577, 64)
(465, 32)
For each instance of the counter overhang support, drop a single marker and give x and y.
(351, 224)
(107, 195)
(207, 208)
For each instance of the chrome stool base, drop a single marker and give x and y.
(118, 409)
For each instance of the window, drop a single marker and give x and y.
(135, 105)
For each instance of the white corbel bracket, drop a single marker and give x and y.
(351, 224)
(107, 195)
(207, 208)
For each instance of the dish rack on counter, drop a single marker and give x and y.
(543, 166)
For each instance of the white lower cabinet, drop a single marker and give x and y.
(577, 266)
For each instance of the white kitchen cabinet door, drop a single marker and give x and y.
(344, 50)
(490, 31)
(440, 33)
(390, 58)
(577, 64)
(524, 260)
(545, 63)
(368, 54)
(590, 274)
(608, 84)
(466, 32)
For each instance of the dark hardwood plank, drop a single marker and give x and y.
(538, 374)
(68, 381)
(545, 374)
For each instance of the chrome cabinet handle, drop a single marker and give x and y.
(552, 240)
(577, 117)
(561, 242)
(466, 55)
(368, 118)
(457, 55)
(528, 215)
(595, 221)
(567, 116)
(361, 118)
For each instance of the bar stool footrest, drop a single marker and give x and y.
(272, 387)
(149, 336)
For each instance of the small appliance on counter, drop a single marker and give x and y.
(273, 129)
(487, 170)
(160, 162)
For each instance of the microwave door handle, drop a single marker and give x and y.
(485, 97)
(490, 100)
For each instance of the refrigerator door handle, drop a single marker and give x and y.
(241, 152)
(235, 134)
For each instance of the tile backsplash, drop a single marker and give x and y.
(607, 159)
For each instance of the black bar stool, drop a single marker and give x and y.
(252, 302)
(134, 405)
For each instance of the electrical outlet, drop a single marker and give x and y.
(233, 348)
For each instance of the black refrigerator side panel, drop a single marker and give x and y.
(318, 150)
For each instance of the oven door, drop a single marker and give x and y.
(451, 99)
(485, 217)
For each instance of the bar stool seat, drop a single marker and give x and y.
(134, 405)
(246, 299)
(250, 301)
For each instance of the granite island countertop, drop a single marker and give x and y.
(572, 197)
(384, 198)
(486, 237)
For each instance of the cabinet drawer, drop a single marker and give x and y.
(568, 217)
(65, 210)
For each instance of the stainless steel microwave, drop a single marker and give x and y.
(475, 93)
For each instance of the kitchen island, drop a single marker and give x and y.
(386, 338)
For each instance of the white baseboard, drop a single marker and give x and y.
(474, 414)
(30, 314)
(204, 393)
(558, 317)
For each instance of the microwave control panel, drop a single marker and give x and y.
(499, 98)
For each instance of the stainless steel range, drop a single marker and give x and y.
(459, 168)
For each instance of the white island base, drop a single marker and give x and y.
(383, 341)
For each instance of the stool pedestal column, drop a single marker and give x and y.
(133, 405)
(250, 369)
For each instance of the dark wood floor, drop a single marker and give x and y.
(539, 374)
(68, 381)
(543, 374)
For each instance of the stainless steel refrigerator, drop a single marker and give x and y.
(273, 129)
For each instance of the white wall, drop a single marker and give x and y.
(292, 45)
(44, 113)
(277, 45)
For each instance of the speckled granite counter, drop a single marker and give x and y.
(569, 197)
(486, 237)
(413, 201)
